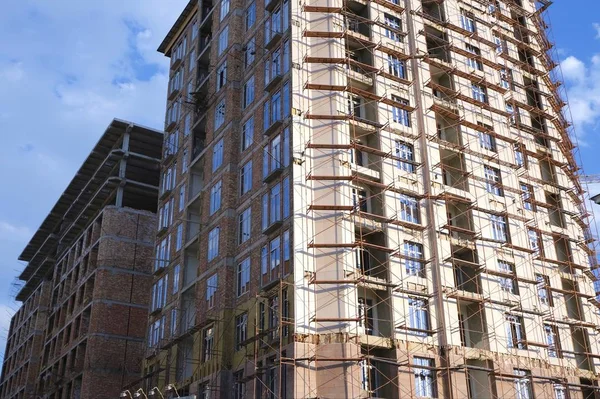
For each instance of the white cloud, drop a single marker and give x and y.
(583, 90)
(66, 69)
(597, 28)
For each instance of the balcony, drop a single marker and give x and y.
(275, 80)
(274, 126)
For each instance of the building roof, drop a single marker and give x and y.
(596, 199)
(92, 186)
(187, 11)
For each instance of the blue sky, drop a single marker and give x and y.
(68, 67)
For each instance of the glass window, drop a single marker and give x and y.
(248, 133)
(400, 115)
(543, 282)
(515, 332)
(220, 114)
(246, 178)
(474, 62)
(275, 207)
(179, 237)
(394, 27)
(215, 197)
(508, 284)
(405, 153)
(396, 67)
(243, 276)
(224, 9)
(174, 322)
(424, 377)
(176, 272)
(286, 197)
(207, 352)
(551, 333)
(409, 209)
(523, 384)
(244, 225)
(519, 156)
(493, 182)
(250, 16)
(213, 244)
(217, 159)
(467, 21)
(265, 211)
(275, 253)
(534, 241)
(211, 290)
(479, 93)
(413, 253)
(418, 315)
(182, 198)
(499, 231)
(223, 40)
(241, 330)
(221, 75)
(487, 141)
(527, 196)
(248, 92)
(249, 52)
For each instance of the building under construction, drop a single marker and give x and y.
(369, 198)
(80, 330)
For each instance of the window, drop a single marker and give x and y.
(181, 198)
(246, 178)
(551, 339)
(245, 223)
(534, 241)
(173, 113)
(248, 92)
(560, 392)
(487, 141)
(217, 159)
(365, 315)
(192, 62)
(176, 272)
(418, 315)
(239, 388)
(243, 276)
(499, 232)
(499, 45)
(467, 21)
(493, 181)
(187, 125)
(249, 52)
(163, 253)
(515, 332)
(479, 93)
(396, 67)
(424, 377)
(241, 330)
(213, 244)
(286, 246)
(368, 376)
(527, 196)
(179, 237)
(194, 30)
(248, 133)
(221, 75)
(511, 110)
(207, 350)
(250, 16)
(220, 114)
(523, 384)
(159, 293)
(173, 322)
(211, 290)
(224, 9)
(413, 261)
(156, 332)
(286, 197)
(265, 211)
(520, 159)
(394, 27)
(215, 197)
(405, 153)
(286, 56)
(184, 161)
(399, 114)
(275, 253)
(475, 61)
(506, 78)
(409, 209)
(543, 282)
(223, 40)
(273, 316)
(177, 81)
(508, 284)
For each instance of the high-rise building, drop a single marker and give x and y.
(85, 290)
(369, 198)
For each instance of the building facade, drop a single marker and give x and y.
(86, 287)
(369, 198)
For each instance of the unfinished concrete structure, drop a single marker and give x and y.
(86, 287)
(369, 198)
